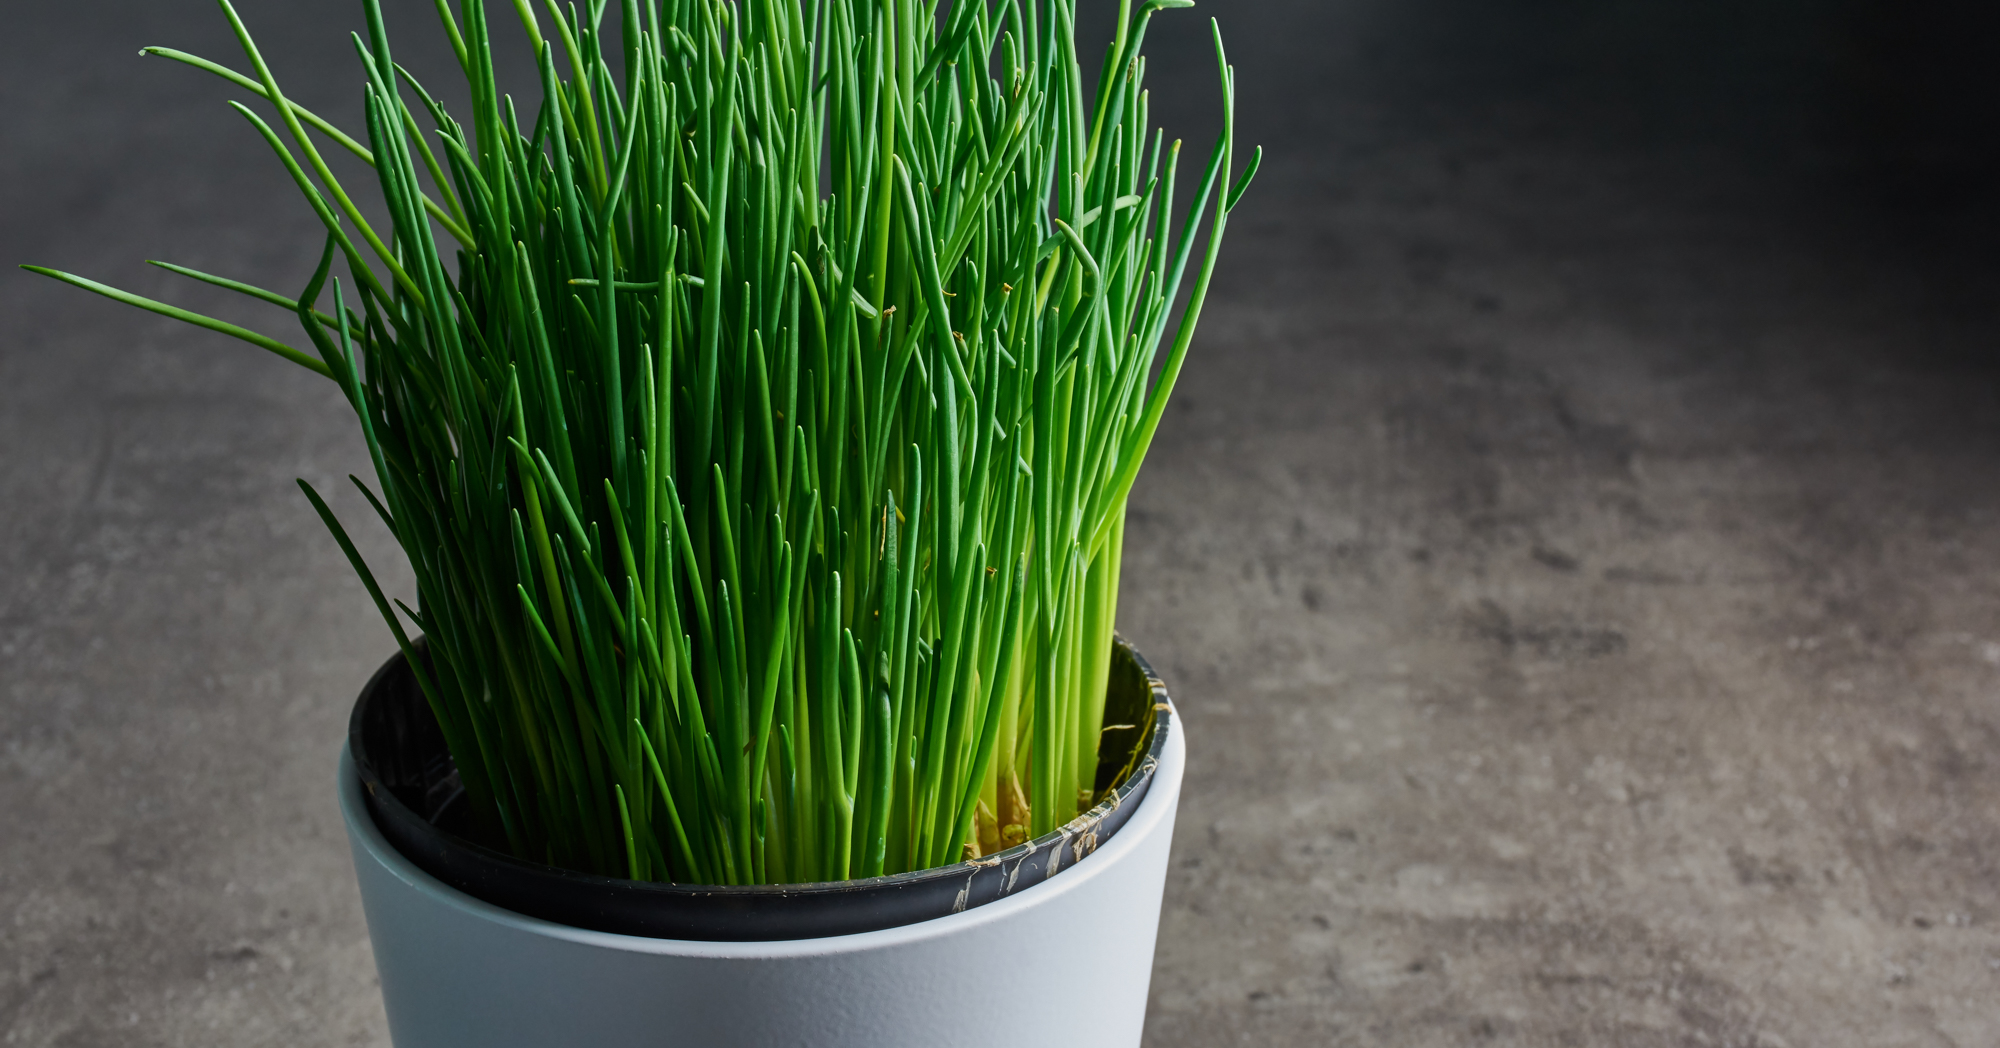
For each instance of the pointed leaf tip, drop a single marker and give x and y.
(1243, 183)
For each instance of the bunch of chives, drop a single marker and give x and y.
(763, 459)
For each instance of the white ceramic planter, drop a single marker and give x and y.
(1066, 962)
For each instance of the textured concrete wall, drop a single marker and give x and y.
(1572, 546)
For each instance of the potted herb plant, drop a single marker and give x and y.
(758, 412)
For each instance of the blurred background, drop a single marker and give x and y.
(1572, 545)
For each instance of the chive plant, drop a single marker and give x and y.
(763, 457)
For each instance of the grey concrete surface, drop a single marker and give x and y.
(1572, 547)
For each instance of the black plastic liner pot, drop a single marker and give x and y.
(414, 797)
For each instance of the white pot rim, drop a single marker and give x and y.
(1157, 805)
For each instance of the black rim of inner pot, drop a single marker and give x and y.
(413, 793)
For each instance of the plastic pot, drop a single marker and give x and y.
(1050, 941)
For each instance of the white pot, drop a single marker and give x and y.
(1065, 962)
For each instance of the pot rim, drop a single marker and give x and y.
(1157, 807)
(768, 912)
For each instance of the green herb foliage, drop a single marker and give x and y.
(764, 463)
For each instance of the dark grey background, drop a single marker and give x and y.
(1573, 545)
